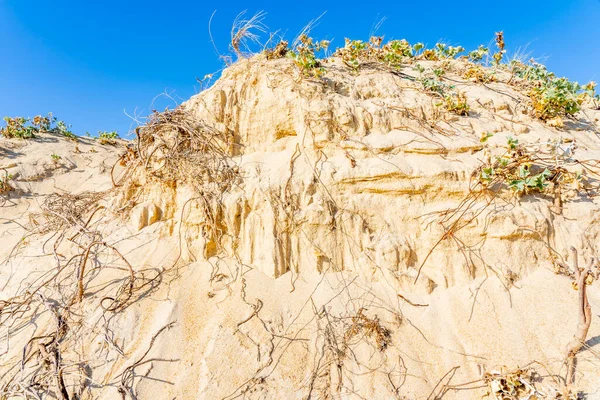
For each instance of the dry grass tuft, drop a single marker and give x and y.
(242, 31)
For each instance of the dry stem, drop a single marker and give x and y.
(585, 316)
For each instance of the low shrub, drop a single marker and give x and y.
(304, 55)
(17, 128)
(552, 97)
(108, 137)
(26, 128)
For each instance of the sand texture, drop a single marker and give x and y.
(316, 239)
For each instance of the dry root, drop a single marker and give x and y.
(64, 211)
(371, 328)
(582, 278)
(174, 146)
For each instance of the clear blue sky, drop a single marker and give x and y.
(88, 61)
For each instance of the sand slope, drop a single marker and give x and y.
(317, 272)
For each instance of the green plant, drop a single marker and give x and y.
(476, 73)
(434, 86)
(26, 128)
(417, 47)
(555, 98)
(4, 183)
(17, 128)
(63, 129)
(419, 68)
(441, 51)
(477, 55)
(485, 136)
(523, 172)
(444, 51)
(393, 53)
(439, 72)
(43, 124)
(108, 137)
(452, 101)
(55, 157)
(552, 98)
(456, 103)
(396, 51)
(356, 51)
(525, 182)
(304, 55)
(530, 72)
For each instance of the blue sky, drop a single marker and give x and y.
(89, 62)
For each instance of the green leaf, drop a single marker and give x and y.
(517, 185)
(524, 171)
(512, 143)
(487, 174)
(485, 136)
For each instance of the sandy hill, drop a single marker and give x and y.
(308, 234)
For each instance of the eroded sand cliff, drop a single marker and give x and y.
(329, 242)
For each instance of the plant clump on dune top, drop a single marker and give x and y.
(304, 54)
(27, 128)
(108, 137)
(551, 98)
